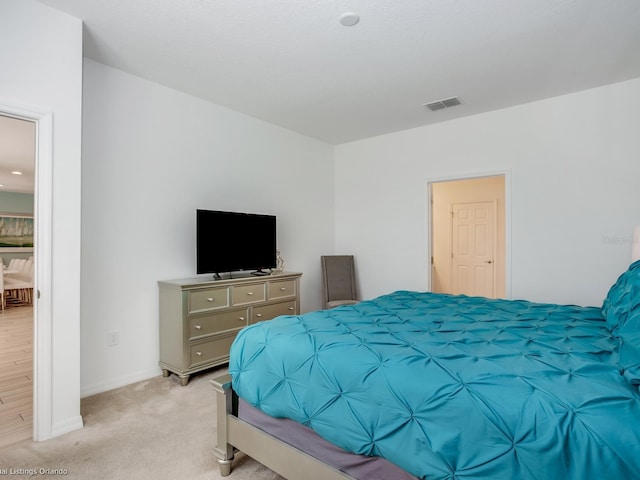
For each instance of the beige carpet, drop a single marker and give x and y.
(152, 429)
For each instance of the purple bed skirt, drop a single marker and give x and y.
(303, 438)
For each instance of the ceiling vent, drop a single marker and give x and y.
(442, 104)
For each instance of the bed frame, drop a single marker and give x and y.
(235, 435)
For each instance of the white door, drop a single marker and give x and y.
(473, 248)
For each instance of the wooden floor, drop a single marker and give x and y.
(16, 374)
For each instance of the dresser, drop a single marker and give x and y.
(199, 318)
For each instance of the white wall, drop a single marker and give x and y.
(574, 164)
(41, 70)
(151, 156)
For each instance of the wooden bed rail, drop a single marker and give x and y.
(235, 434)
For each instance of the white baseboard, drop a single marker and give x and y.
(88, 390)
(66, 426)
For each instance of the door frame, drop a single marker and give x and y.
(507, 219)
(43, 230)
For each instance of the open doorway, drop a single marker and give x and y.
(468, 236)
(17, 207)
(43, 270)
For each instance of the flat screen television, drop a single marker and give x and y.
(234, 241)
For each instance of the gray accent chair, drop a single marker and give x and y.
(338, 280)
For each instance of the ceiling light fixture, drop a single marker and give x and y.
(349, 19)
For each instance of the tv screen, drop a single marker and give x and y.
(234, 241)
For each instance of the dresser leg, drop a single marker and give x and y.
(184, 379)
(165, 372)
(225, 467)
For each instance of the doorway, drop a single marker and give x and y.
(17, 207)
(43, 226)
(468, 236)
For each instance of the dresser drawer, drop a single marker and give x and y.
(208, 299)
(217, 322)
(247, 294)
(267, 312)
(211, 351)
(283, 289)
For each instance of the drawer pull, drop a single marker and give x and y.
(241, 319)
(210, 299)
(198, 327)
(249, 293)
(258, 314)
(290, 308)
(283, 289)
(199, 354)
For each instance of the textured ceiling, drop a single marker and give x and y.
(292, 63)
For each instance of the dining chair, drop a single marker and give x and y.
(338, 280)
(13, 264)
(21, 283)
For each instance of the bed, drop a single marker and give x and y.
(441, 387)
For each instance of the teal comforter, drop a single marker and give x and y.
(451, 387)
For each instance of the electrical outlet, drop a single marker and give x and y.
(112, 339)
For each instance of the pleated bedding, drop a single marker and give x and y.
(456, 387)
